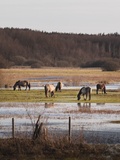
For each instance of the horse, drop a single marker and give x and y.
(59, 86)
(102, 87)
(20, 84)
(49, 88)
(84, 91)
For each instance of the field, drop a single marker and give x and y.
(10, 76)
(66, 96)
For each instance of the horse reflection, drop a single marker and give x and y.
(84, 107)
(49, 105)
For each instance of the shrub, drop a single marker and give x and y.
(19, 60)
(110, 66)
(106, 64)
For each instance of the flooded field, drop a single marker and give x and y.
(90, 119)
(73, 85)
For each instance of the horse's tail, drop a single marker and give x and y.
(56, 88)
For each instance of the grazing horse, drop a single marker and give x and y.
(49, 88)
(102, 87)
(20, 84)
(59, 86)
(84, 91)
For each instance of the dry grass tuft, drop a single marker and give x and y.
(58, 148)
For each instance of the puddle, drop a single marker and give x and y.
(85, 117)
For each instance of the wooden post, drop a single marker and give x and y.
(13, 129)
(69, 128)
(45, 134)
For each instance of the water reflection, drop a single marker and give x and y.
(49, 105)
(55, 117)
(100, 104)
(83, 107)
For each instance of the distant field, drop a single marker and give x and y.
(10, 76)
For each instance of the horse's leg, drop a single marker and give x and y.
(83, 96)
(26, 87)
(104, 90)
(19, 88)
(46, 90)
(29, 86)
(97, 91)
(46, 93)
(89, 96)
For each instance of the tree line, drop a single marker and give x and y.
(25, 47)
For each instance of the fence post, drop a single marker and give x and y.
(69, 129)
(13, 129)
(45, 134)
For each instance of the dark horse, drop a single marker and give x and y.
(102, 87)
(20, 84)
(84, 91)
(49, 88)
(59, 86)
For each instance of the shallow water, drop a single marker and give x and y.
(89, 117)
(68, 85)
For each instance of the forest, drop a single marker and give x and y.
(36, 49)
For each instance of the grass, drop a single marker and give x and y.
(66, 96)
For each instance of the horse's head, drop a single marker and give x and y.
(14, 87)
(52, 93)
(78, 96)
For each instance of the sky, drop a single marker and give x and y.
(64, 16)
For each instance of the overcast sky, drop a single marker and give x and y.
(66, 16)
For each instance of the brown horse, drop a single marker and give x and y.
(84, 91)
(49, 88)
(101, 87)
(20, 84)
(59, 86)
